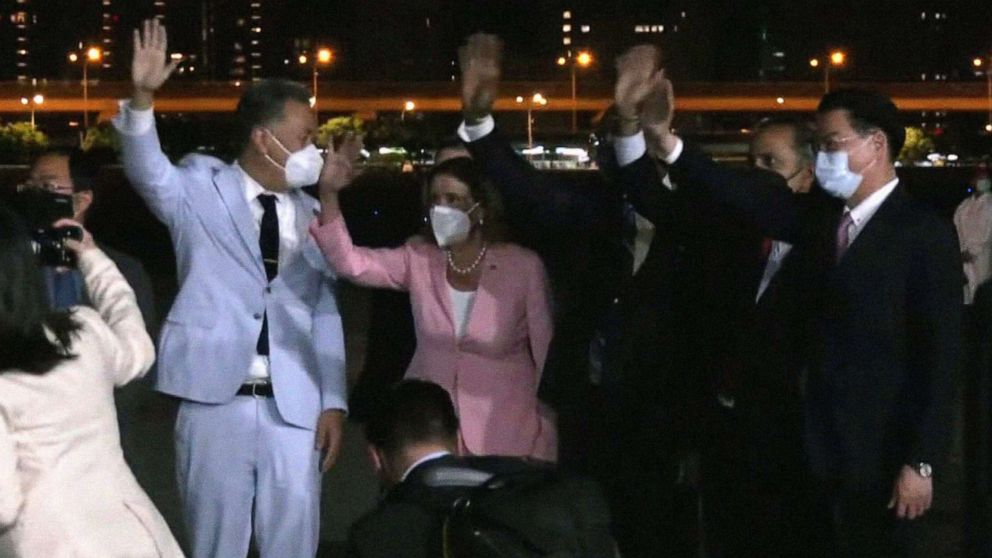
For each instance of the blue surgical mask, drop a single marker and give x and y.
(835, 176)
(833, 172)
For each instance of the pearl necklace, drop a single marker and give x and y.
(466, 270)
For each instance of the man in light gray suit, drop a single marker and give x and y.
(253, 343)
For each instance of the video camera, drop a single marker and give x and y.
(40, 208)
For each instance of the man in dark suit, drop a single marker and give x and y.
(611, 372)
(413, 441)
(879, 317)
(72, 173)
(735, 286)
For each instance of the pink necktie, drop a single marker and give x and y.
(843, 239)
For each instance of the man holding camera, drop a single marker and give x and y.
(60, 185)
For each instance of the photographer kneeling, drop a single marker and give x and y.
(64, 486)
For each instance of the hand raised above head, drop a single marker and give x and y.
(150, 67)
(339, 164)
(480, 60)
(638, 72)
(658, 108)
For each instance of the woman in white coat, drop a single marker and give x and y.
(65, 489)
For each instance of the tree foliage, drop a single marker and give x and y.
(20, 142)
(102, 137)
(918, 145)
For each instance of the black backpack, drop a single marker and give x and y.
(532, 512)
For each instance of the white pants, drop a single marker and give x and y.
(239, 464)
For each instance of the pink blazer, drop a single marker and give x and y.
(493, 371)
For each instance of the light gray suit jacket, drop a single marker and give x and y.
(208, 339)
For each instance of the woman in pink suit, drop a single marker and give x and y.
(480, 307)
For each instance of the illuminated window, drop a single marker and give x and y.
(566, 41)
(567, 28)
(567, 14)
(585, 28)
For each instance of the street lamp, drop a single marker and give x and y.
(91, 55)
(978, 62)
(583, 59)
(323, 56)
(537, 100)
(836, 58)
(408, 106)
(34, 102)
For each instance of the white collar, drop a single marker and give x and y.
(253, 189)
(422, 460)
(864, 211)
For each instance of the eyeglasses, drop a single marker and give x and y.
(833, 144)
(836, 144)
(45, 186)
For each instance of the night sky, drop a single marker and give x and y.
(717, 40)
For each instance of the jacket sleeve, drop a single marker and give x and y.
(534, 198)
(328, 336)
(153, 176)
(761, 197)
(935, 301)
(123, 339)
(11, 497)
(370, 267)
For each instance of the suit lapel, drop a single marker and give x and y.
(232, 192)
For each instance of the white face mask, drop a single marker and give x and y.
(302, 167)
(450, 225)
(834, 173)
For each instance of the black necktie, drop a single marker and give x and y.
(268, 241)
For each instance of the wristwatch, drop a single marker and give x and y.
(923, 469)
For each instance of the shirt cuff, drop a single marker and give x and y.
(132, 122)
(676, 153)
(629, 148)
(474, 132)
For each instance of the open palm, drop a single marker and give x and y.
(637, 75)
(339, 165)
(149, 69)
(480, 61)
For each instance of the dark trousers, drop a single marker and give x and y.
(863, 527)
(758, 499)
(978, 427)
(654, 515)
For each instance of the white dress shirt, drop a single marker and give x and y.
(864, 211)
(422, 460)
(780, 249)
(289, 243)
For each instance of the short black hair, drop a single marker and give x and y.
(411, 412)
(83, 168)
(804, 139)
(869, 111)
(265, 102)
(25, 316)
